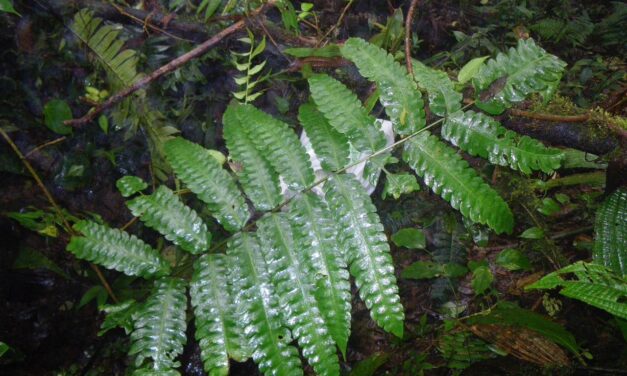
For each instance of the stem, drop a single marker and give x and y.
(408, 21)
(56, 207)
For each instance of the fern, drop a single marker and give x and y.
(256, 175)
(294, 287)
(367, 251)
(480, 135)
(104, 42)
(263, 322)
(159, 326)
(204, 176)
(276, 142)
(129, 185)
(610, 246)
(593, 284)
(345, 113)
(247, 82)
(164, 212)
(525, 69)
(330, 146)
(403, 103)
(443, 99)
(448, 175)
(218, 329)
(117, 250)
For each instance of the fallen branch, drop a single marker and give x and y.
(165, 69)
(550, 117)
(408, 21)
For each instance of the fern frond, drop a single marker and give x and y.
(481, 135)
(443, 99)
(218, 330)
(526, 69)
(330, 146)
(593, 284)
(345, 113)
(257, 177)
(610, 244)
(129, 185)
(403, 103)
(263, 322)
(315, 235)
(204, 176)
(104, 42)
(115, 249)
(164, 212)
(448, 175)
(277, 143)
(159, 326)
(294, 287)
(368, 252)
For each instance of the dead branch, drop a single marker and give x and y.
(408, 21)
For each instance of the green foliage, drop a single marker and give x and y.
(117, 250)
(104, 42)
(315, 232)
(7, 7)
(159, 327)
(411, 238)
(247, 82)
(294, 288)
(204, 176)
(55, 113)
(513, 259)
(399, 184)
(470, 69)
(448, 175)
(610, 245)
(512, 76)
(443, 99)
(403, 103)
(593, 284)
(480, 135)
(268, 338)
(429, 269)
(218, 329)
(460, 349)
(367, 251)
(330, 146)
(163, 211)
(129, 185)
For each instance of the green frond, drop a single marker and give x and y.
(525, 69)
(268, 339)
(115, 249)
(610, 244)
(204, 176)
(277, 143)
(294, 287)
(315, 236)
(152, 372)
(443, 99)
(159, 326)
(257, 177)
(403, 103)
(368, 252)
(104, 42)
(330, 146)
(592, 283)
(129, 185)
(481, 135)
(164, 212)
(218, 330)
(345, 113)
(448, 175)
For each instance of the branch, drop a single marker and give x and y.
(408, 21)
(550, 117)
(165, 69)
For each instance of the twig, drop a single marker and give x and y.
(165, 69)
(145, 22)
(49, 143)
(56, 207)
(550, 117)
(408, 21)
(339, 20)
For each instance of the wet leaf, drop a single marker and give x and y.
(481, 279)
(513, 259)
(399, 184)
(7, 6)
(532, 233)
(409, 238)
(471, 68)
(55, 113)
(369, 366)
(129, 185)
